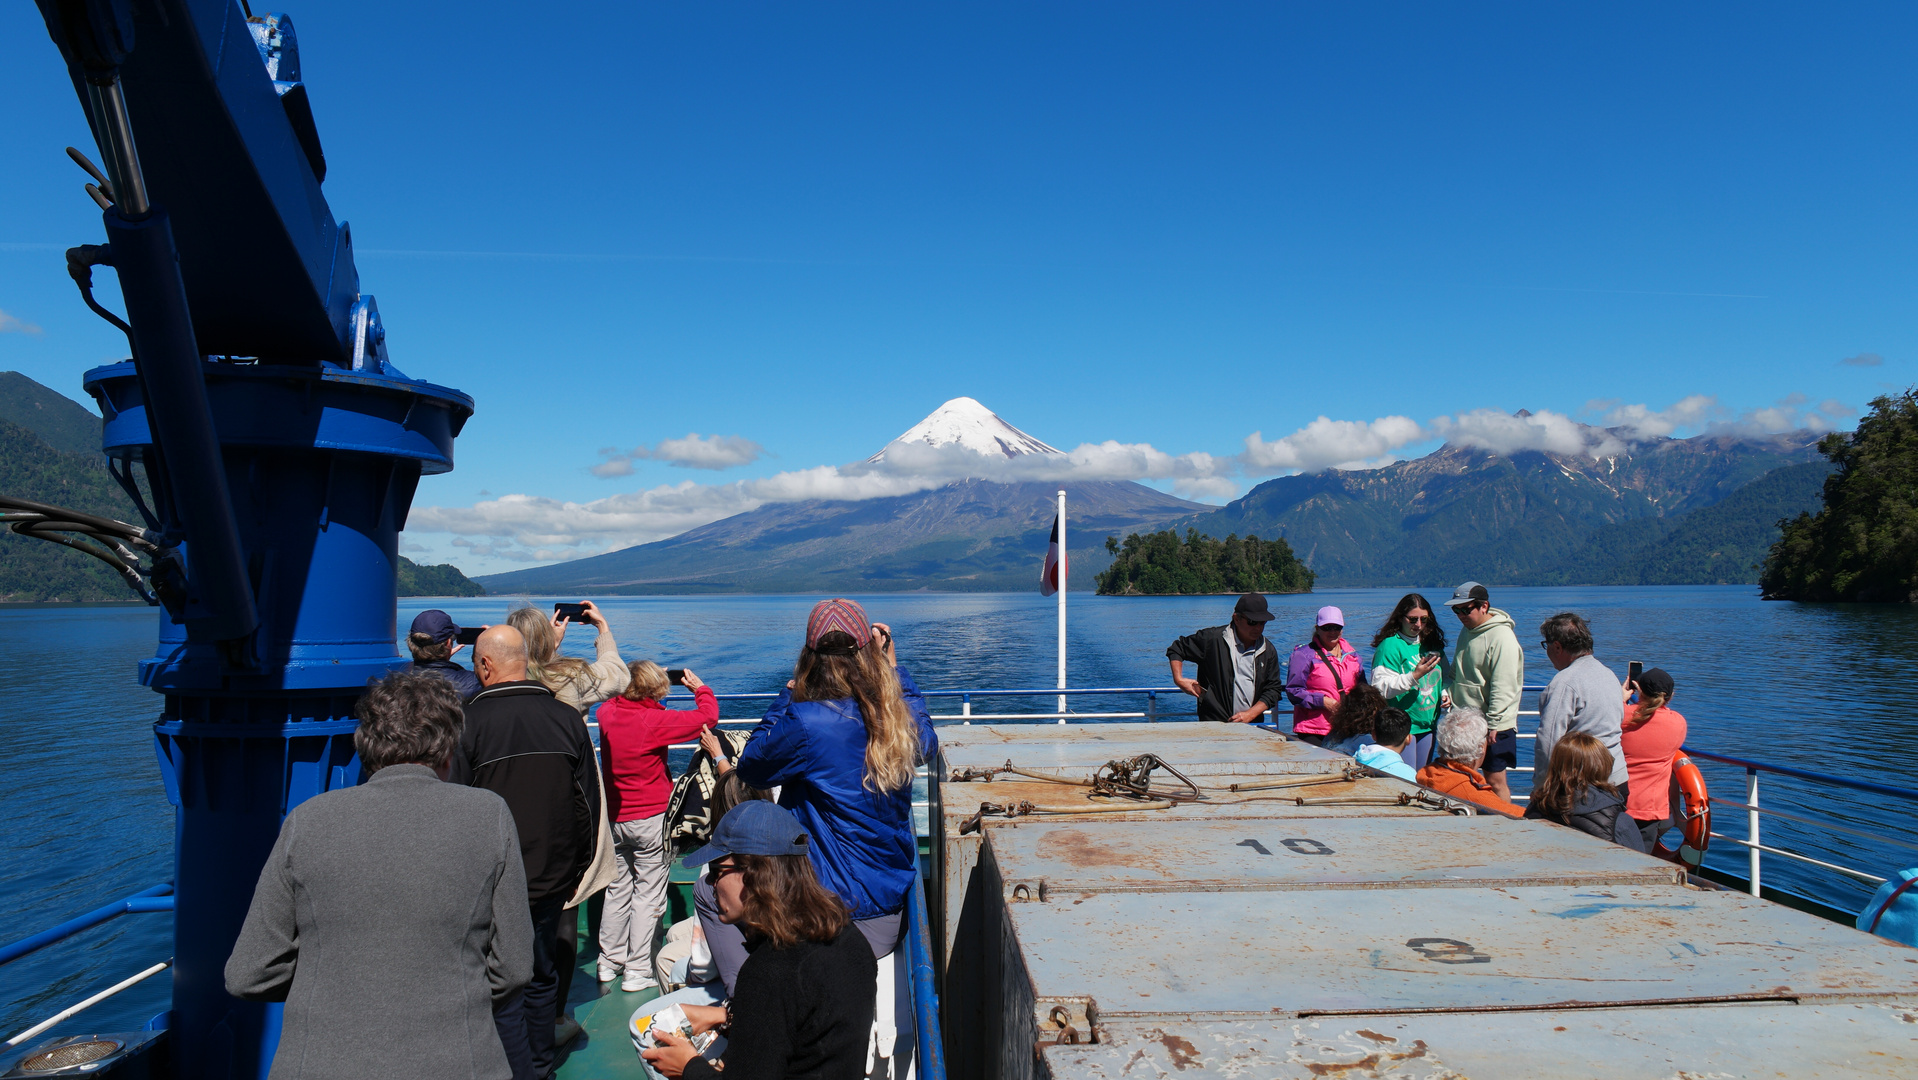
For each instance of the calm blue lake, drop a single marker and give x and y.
(1822, 687)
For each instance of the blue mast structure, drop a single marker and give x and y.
(279, 444)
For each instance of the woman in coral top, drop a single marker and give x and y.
(1653, 734)
(634, 732)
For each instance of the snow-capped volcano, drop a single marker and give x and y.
(964, 422)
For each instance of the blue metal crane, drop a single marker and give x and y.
(278, 446)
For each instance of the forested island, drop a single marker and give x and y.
(1163, 564)
(1862, 545)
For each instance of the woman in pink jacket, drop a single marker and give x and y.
(634, 732)
(1319, 674)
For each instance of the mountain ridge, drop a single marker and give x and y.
(1466, 512)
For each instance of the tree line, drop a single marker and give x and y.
(1863, 544)
(1164, 564)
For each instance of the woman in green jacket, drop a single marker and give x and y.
(1408, 665)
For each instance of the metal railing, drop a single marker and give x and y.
(153, 899)
(1754, 825)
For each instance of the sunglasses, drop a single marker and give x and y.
(1418, 620)
(714, 872)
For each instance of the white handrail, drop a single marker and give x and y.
(87, 1004)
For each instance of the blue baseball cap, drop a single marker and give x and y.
(436, 624)
(755, 827)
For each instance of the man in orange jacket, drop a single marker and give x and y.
(1461, 743)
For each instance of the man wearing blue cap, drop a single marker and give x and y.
(431, 642)
(803, 1003)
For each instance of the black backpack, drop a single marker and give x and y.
(689, 820)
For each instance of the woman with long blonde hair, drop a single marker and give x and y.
(842, 744)
(572, 680)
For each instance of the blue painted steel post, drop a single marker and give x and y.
(322, 464)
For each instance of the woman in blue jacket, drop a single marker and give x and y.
(842, 744)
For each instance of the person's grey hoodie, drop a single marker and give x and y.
(1488, 671)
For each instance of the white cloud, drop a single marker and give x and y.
(1325, 443)
(1863, 359)
(1206, 488)
(11, 325)
(1789, 414)
(1508, 433)
(1642, 423)
(695, 451)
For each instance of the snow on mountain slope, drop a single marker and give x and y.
(964, 422)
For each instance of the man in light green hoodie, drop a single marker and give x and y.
(1488, 672)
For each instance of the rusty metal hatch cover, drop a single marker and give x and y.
(1065, 858)
(1077, 749)
(1234, 955)
(1852, 1040)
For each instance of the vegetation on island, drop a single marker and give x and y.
(1863, 545)
(440, 579)
(1163, 564)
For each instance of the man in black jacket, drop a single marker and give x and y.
(1238, 669)
(531, 749)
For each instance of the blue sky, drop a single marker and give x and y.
(808, 225)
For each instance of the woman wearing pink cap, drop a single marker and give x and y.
(842, 743)
(1319, 674)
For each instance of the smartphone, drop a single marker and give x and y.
(468, 635)
(676, 676)
(1633, 670)
(570, 612)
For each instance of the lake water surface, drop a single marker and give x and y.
(1821, 687)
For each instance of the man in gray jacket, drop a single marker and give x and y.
(390, 917)
(1584, 696)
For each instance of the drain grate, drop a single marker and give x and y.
(66, 1057)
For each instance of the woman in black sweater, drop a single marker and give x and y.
(803, 1004)
(1575, 791)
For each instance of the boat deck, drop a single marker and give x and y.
(1331, 930)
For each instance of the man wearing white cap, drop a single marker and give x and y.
(1320, 672)
(1488, 672)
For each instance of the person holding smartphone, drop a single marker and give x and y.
(635, 730)
(572, 680)
(433, 639)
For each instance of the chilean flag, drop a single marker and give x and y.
(1055, 567)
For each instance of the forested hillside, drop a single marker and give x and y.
(36, 569)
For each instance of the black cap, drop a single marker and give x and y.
(1251, 607)
(1654, 681)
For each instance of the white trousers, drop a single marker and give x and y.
(637, 896)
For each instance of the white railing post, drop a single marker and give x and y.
(1063, 568)
(965, 707)
(1751, 824)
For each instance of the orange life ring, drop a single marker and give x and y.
(1691, 812)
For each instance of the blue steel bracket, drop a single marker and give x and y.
(229, 146)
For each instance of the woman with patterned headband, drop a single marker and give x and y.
(842, 743)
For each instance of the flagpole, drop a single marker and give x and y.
(1062, 601)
